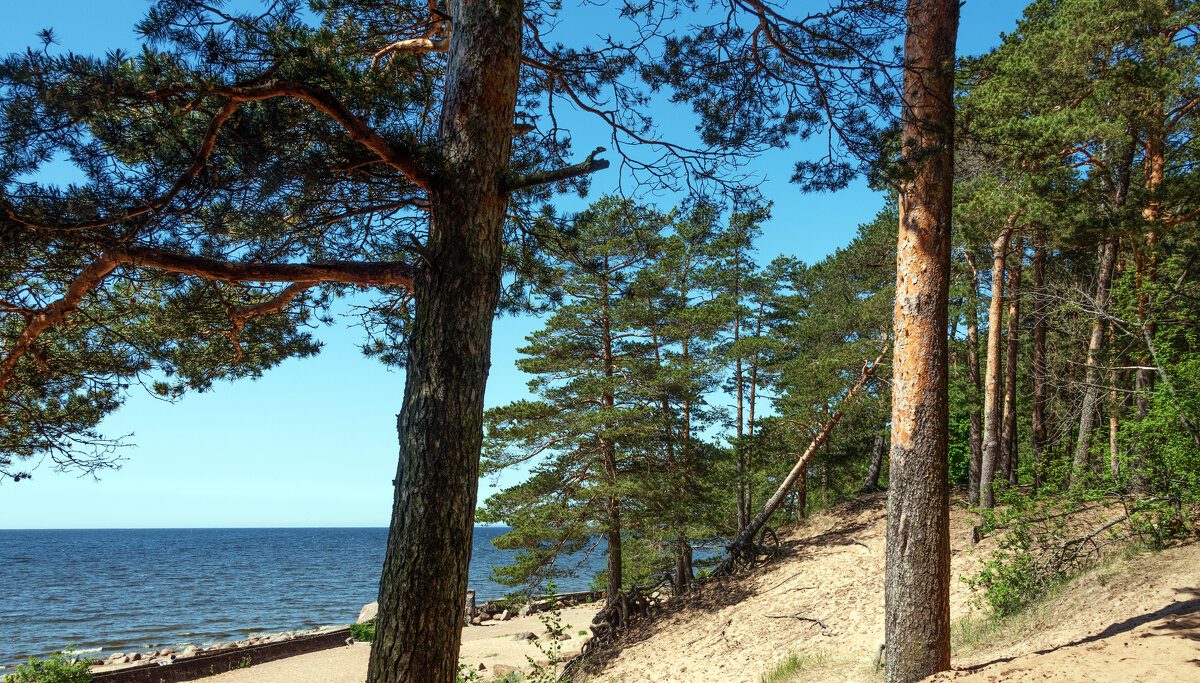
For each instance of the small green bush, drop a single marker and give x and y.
(365, 631)
(60, 667)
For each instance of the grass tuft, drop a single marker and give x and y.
(793, 665)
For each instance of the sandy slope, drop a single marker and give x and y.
(1138, 620)
(729, 633)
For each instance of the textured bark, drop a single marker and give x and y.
(1008, 441)
(871, 483)
(1038, 417)
(1089, 411)
(975, 464)
(917, 583)
(424, 580)
(992, 387)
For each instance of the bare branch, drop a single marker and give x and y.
(589, 165)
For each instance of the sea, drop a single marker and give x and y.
(119, 590)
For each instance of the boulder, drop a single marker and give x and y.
(525, 610)
(528, 635)
(189, 651)
(565, 636)
(504, 616)
(503, 669)
(135, 657)
(112, 659)
(367, 613)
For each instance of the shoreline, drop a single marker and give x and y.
(494, 647)
(490, 619)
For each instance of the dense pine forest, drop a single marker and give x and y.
(1017, 330)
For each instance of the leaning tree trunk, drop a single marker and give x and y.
(424, 580)
(1089, 412)
(745, 539)
(975, 464)
(1008, 441)
(991, 384)
(917, 583)
(1038, 418)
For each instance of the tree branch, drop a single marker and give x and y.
(203, 151)
(240, 314)
(364, 273)
(400, 159)
(54, 314)
(589, 165)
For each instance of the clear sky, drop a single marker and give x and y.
(313, 443)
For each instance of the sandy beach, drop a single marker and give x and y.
(488, 644)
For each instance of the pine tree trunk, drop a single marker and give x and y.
(608, 449)
(801, 497)
(1089, 411)
(871, 483)
(1147, 274)
(1008, 443)
(917, 583)
(1038, 418)
(753, 406)
(1115, 408)
(975, 464)
(742, 511)
(992, 386)
(423, 585)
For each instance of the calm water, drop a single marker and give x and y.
(125, 589)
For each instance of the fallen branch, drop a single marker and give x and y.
(855, 540)
(800, 617)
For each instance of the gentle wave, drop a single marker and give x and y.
(135, 589)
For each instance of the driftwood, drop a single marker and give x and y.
(745, 550)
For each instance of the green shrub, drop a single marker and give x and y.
(60, 667)
(1045, 540)
(364, 631)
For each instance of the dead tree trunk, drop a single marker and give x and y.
(991, 384)
(917, 584)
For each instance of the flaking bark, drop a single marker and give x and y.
(917, 583)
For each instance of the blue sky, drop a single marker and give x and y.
(313, 443)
